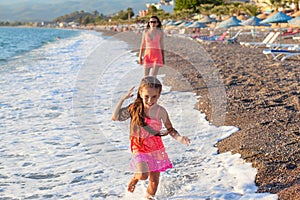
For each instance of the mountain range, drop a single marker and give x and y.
(39, 10)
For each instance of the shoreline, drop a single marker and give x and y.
(262, 101)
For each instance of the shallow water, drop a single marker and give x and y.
(58, 140)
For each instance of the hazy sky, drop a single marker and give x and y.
(26, 10)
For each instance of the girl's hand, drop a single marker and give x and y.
(183, 140)
(129, 93)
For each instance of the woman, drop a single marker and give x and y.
(151, 51)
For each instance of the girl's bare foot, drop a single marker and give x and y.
(131, 184)
(149, 196)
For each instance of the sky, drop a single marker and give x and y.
(40, 10)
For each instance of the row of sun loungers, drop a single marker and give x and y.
(283, 53)
(222, 38)
(272, 50)
(269, 39)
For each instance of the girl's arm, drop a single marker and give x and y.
(172, 131)
(142, 48)
(116, 113)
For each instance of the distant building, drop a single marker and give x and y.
(62, 24)
(143, 13)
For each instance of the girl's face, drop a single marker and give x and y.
(153, 22)
(149, 96)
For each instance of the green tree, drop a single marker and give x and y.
(152, 10)
(275, 4)
(187, 4)
(220, 10)
(235, 9)
(96, 13)
(123, 15)
(251, 9)
(193, 4)
(130, 13)
(86, 20)
(205, 9)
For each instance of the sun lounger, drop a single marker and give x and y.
(282, 54)
(290, 34)
(282, 46)
(296, 37)
(234, 38)
(265, 42)
(267, 38)
(212, 38)
(221, 38)
(275, 36)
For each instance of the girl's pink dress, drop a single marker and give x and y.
(149, 149)
(153, 53)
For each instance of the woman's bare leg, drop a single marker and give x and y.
(146, 71)
(153, 184)
(155, 70)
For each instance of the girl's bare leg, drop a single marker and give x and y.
(132, 183)
(142, 173)
(146, 71)
(153, 184)
(155, 71)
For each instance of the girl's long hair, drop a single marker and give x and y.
(136, 109)
(158, 21)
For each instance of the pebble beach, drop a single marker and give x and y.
(239, 86)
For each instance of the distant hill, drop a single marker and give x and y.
(37, 10)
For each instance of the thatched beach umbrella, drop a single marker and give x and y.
(230, 22)
(242, 17)
(197, 25)
(178, 22)
(262, 16)
(170, 23)
(254, 21)
(206, 19)
(164, 22)
(184, 24)
(279, 18)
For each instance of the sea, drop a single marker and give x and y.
(58, 90)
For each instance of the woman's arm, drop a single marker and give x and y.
(162, 47)
(142, 48)
(116, 113)
(172, 131)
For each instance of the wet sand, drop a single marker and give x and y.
(255, 94)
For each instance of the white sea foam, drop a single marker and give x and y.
(58, 140)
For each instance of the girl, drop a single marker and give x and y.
(149, 155)
(151, 50)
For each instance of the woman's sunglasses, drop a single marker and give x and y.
(153, 22)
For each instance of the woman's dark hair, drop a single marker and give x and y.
(158, 21)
